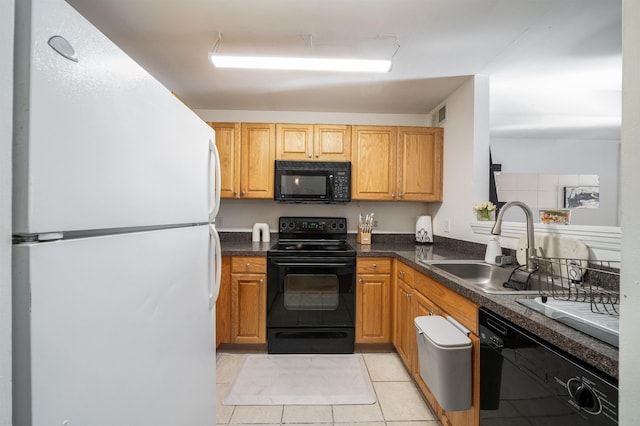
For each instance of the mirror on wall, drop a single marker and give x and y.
(581, 175)
(548, 191)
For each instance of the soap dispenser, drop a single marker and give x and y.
(493, 250)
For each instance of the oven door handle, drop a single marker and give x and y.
(312, 264)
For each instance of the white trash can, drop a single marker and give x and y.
(444, 353)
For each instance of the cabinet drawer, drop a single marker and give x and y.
(373, 265)
(249, 264)
(405, 273)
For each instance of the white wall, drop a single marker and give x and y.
(6, 121)
(466, 160)
(630, 176)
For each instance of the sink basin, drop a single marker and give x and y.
(488, 278)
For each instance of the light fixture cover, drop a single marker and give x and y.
(301, 64)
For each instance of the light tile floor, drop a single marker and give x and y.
(399, 401)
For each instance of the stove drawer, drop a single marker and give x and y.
(373, 265)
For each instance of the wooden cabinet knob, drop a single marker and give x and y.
(309, 155)
(248, 265)
(393, 195)
(375, 265)
(360, 280)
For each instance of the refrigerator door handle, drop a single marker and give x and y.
(216, 264)
(214, 171)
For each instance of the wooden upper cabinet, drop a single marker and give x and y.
(257, 160)
(228, 144)
(420, 164)
(294, 141)
(332, 142)
(322, 142)
(397, 163)
(373, 172)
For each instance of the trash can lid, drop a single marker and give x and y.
(441, 332)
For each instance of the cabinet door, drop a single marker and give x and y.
(373, 319)
(331, 142)
(403, 322)
(258, 155)
(228, 144)
(420, 164)
(374, 163)
(423, 307)
(248, 308)
(294, 141)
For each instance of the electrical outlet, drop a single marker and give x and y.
(446, 226)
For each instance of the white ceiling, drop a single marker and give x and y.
(555, 65)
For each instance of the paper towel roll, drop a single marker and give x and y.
(424, 231)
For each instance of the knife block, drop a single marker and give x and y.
(364, 237)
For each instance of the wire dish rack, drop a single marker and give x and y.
(576, 280)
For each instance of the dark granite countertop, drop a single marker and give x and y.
(598, 354)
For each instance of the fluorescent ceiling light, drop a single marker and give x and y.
(302, 64)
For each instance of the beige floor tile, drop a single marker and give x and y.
(386, 367)
(401, 401)
(252, 414)
(416, 423)
(360, 424)
(227, 365)
(223, 412)
(357, 413)
(307, 414)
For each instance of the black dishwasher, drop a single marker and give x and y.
(526, 381)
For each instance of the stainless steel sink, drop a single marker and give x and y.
(488, 278)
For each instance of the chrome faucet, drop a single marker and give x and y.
(531, 247)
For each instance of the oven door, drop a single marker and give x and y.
(310, 304)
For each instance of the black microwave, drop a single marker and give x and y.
(312, 181)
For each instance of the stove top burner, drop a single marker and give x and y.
(312, 235)
(324, 246)
(292, 247)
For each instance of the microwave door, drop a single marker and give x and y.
(303, 186)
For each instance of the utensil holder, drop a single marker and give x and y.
(364, 237)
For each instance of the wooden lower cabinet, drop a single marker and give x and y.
(373, 300)
(248, 300)
(428, 297)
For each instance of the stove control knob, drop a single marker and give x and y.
(334, 225)
(584, 396)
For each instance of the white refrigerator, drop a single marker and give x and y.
(116, 260)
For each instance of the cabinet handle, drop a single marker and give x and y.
(261, 281)
(242, 193)
(309, 155)
(360, 280)
(248, 265)
(235, 193)
(402, 274)
(393, 195)
(317, 155)
(375, 265)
